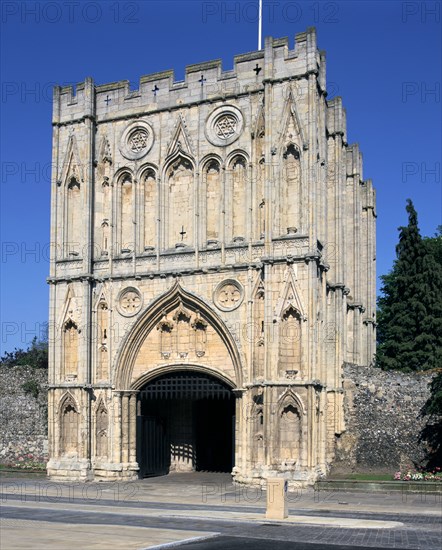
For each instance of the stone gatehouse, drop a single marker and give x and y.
(213, 268)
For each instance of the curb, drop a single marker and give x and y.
(349, 485)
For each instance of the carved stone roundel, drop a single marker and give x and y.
(224, 125)
(228, 295)
(129, 301)
(136, 140)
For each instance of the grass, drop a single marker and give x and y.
(362, 477)
(26, 467)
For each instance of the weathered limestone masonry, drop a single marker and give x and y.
(219, 226)
(381, 412)
(383, 421)
(23, 415)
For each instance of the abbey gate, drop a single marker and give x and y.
(213, 268)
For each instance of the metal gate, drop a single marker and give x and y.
(153, 426)
(153, 446)
(185, 385)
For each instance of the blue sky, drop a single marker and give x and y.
(383, 58)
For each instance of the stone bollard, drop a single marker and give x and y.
(277, 498)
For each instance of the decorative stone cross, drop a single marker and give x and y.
(202, 80)
(257, 69)
(107, 100)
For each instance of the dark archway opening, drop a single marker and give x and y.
(185, 423)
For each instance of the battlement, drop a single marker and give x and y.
(336, 118)
(354, 162)
(206, 81)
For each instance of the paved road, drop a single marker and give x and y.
(38, 514)
(423, 534)
(231, 543)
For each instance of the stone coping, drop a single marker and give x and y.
(367, 486)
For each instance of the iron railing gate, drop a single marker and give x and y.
(185, 386)
(153, 445)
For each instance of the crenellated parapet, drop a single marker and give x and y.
(202, 82)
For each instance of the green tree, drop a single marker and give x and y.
(432, 432)
(32, 387)
(410, 307)
(435, 244)
(36, 355)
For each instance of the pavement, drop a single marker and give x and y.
(202, 511)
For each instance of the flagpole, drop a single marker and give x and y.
(260, 25)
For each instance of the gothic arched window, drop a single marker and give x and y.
(69, 419)
(238, 169)
(150, 209)
(74, 212)
(259, 214)
(70, 348)
(126, 225)
(289, 433)
(290, 340)
(181, 202)
(212, 176)
(290, 195)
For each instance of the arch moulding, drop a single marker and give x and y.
(148, 320)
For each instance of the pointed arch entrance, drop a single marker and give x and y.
(185, 422)
(179, 378)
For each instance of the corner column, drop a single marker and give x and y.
(133, 427)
